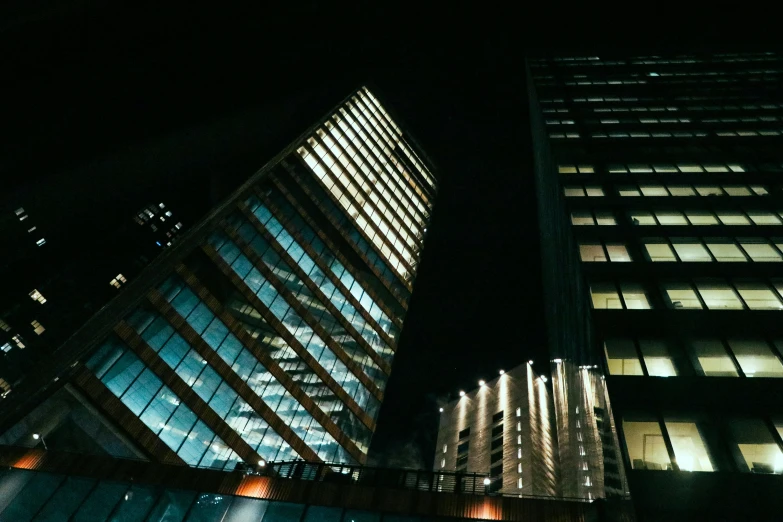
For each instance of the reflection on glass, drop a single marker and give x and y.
(659, 252)
(645, 445)
(758, 451)
(621, 357)
(657, 358)
(591, 252)
(712, 359)
(756, 358)
(692, 252)
(681, 296)
(689, 448)
(635, 297)
(759, 296)
(604, 296)
(718, 296)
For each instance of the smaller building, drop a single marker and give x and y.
(503, 428)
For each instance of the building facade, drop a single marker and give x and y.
(267, 331)
(658, 180)
(503, 428)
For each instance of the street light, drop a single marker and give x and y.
(37, 436)
(486, 481)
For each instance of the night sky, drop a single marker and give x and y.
(104, 106)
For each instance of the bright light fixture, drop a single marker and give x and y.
(543, 378)
(530, 362)
(502, 372)
(481, 382)
(36, 436)
(557, 360)
(486, 481)
(261, 463)
(461, 393)
(440, 409)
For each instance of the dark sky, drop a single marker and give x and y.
(105, 104)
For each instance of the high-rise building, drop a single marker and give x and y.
(658, 180)
(503, 428)
(267, 331)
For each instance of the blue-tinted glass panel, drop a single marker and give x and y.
(171, 506)
(322, 514)
(209, 508)
(32, 497)
(65, 500)
(135, 504)
(103, 359)
(362, 516)
(101, 502)
(283, 512)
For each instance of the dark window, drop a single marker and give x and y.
(462, 448)
(495, 485)
(496, 457)
(497, 470)
(464, 433)
(497, 443)
(462, 461)
(497, 430)
(497, 417)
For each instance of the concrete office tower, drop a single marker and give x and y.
(266, 332)
(505, 428)
(658, 180)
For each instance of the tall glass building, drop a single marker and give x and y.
(660, 209)
(265, 333)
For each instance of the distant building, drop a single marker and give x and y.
(503, 428)
(267, 331)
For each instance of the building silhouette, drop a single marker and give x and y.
(658, 181)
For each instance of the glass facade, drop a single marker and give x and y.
(272, 335)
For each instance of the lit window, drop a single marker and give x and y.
(31, 229)
(681, 296)
(519, 482)
(4, 326)
(19, 211)
(659, 252)
(690, 168)
(732, 218)
(665, 168)
(573, 191)
(519, 467)
(737, 190)
(626, 191)
(586, 169)
(701, 217)
(653, 190)
(718, 296)
(591, 252)
(617, 252)
(38, 327)
(445, 448)
(519, 412)
(645, 444)
(37, 296)
(18, 340)
(657, 358)
(621, 357)
(681, 190)
(688, 444)
(41, 242)
(121, 278)
(756, 358)
(725, 251)
(709, 190)
(605, 296)
(442, 463)
(671, 218)
(758, 451)
(634, 296)
(711, 358)
(594, 190)
(691, 251)
(6, 347)
(764, 218)
(758, 296)
(582, 218)
(566, 169)
(114, 283)
(641, 218)
(605, 218)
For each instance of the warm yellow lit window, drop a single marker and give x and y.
(758, 451)
(594, 190)
(681, 296)
(642, 218)
(758, 296)
(681, 190)
(756, 358)
(38, 327)
(701, 217)
(725, 251)
(671, 217)
(718, 296)
(621, 357)
(659, 252)
(712, 359)
(566, 169)
(760, 251)
(592, 252)
(691, 251)
(645, 444)
(657, 358)
(688, 444)
(634, 296)
(37, 296)
(605, 296)
(617, 252)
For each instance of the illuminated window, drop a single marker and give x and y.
(41, 242)
(681, 190)
(582, 218)
(701, 217)
(591, 252)
(6, 347)
(621, 357)
(605, 296)
(445, 448)
(645, 444)
(19, 211)
(758, 296)
(617, 253)
(756, 358)
(691, 251)
(725, 251)
(566, 169)
(681, 296)
(634, 296)
(38, 327)
(37, 296)
(642, 218)
(594, 190)
(4, 326)
(688, 444)
(718, 295)
(659, 251)
(519, 412)
(605, 218)
(758, 451)
(709, 190)
(763, 218)
(573, 191)
(18, 340)
(628, 190)
(711, 359)
(657, 358)
(671, 217)
(759, 250)
(732, 218)
(653, 190)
